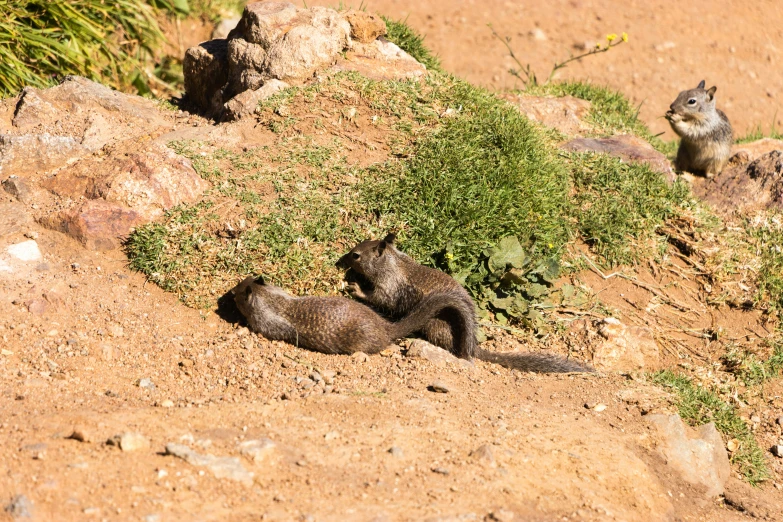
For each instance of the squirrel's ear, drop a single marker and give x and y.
(711, 92)
(381, 248)
(390, 238)
(701, 85)
(259, 281)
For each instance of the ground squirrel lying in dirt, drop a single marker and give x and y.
(390, 281)
(327, 324)
(705, 132)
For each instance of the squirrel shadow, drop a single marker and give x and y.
(227, 309)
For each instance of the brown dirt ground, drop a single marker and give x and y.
(79, 364)
(673, 45)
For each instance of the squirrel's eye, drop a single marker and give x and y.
(355, 255)
(692, 101)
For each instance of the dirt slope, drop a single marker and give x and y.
(673, 45)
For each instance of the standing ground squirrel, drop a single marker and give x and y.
(327, 324)
(386, 279)
(705, 132)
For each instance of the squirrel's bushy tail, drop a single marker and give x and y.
(532, 362)
(429, 307)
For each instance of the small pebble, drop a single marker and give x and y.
(146, 384)
(779, 420)
(441, 471)
(360, 357)
(130, 441)
(328, 376)
(396, 451)
(20, 507)
(439, 387)
(777, 450)
(315, 376)
(167, 403)
(306, 384)
(81, 434)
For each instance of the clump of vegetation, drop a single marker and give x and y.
(41, 41)
(698, 405)
(410, 41)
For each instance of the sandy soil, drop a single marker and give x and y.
(673, 45)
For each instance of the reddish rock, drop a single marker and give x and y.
(265, 23)
(753, 186)
(245, 103)
(566, 114)
(758, 148)
(97, 224)
(365, 27)
(17, 187)
(627, 148)
(147, 181)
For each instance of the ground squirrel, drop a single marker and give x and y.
(705, 132)
(326, 324)
(390, 281)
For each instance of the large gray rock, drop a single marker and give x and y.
(278, 41)
(313, 44)
(699, 456)
(566, 114)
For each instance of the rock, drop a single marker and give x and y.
(566, 114)
(627, 148)
(246, 66)
(752, 502)
(107, 352)
(30, 153)
(54, 126)
(167, 403)
(484, 455)
(360, 357)
(365, 27)
(626, 348)
(224, 27)
(222, 467)
(26, 251)
(205, 68)
(328, 376)
(538, 34)
(20, 507)
(148, 180)
(146, 384)
(396, 451)
(380, 60)
(502, 515)
(439, 387)
(779, 421)
(757, 185)
(13, 219)
(755, 149)
(97, 224)
(309, 46)
(421, 349)
(699, 457)
(17, 187)
(129, 441)
(777, 450)
(245, 103)
(440, 471)
(257, 450)
(315, 376)
(265, 23)
(82, 434)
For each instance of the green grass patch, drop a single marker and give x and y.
(699, 406)
(41, 41)
(754, 369)
(618, 205)
(758, 134)
(766, 230)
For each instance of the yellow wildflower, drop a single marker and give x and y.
(598, 45)
(611, 37)
(625, 37)
(449, 255)
(550, 245)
